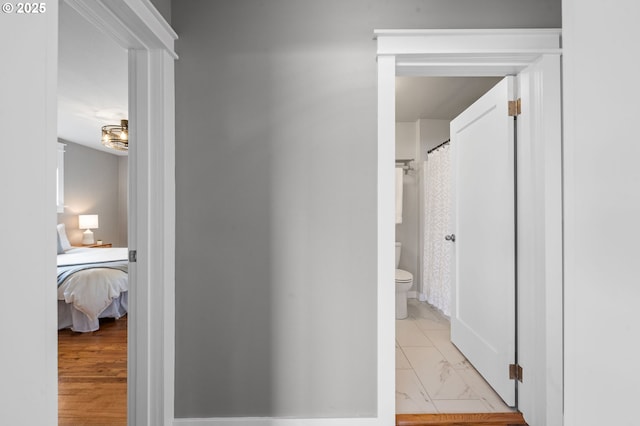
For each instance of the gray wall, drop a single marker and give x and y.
(276, 195)
(164, 7)
(123, 201)
(93, 185)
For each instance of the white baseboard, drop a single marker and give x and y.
(274, 421)
(412, 294)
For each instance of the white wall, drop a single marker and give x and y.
(28, 359)
(95, 183)
(406, 140)
(602, 207)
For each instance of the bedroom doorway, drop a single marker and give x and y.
(147, 39)
(92, 302)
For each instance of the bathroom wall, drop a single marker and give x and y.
(407, 232)
(431, 133)
(413, 140)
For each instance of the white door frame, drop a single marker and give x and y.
(138, 27)
(488, 53)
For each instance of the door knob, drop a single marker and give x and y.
(451, 237)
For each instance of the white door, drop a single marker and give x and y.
(483, 274)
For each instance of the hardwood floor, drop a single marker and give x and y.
(92, 376)
(92, 384)
(475, 419)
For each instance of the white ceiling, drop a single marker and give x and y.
(92, 86)
(441, 98)
(92, 81)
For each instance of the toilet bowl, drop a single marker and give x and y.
(404, 281)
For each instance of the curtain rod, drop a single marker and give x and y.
(439, 146)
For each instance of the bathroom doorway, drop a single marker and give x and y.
(534, 56)
(432, 375)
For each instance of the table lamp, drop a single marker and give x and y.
(88, 222)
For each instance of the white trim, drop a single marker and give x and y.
(386, 240)
(167, 251)
(466, 52)
(133, 24)
(540, 241)
(271, 421)
(482, 53)
(551, 123)
(60, 178)
(138, 27)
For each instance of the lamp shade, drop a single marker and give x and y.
(88, 221)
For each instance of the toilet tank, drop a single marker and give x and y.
(398, 249)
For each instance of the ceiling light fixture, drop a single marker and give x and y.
(116, 137)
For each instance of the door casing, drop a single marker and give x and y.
(533, 55)
(138, 27)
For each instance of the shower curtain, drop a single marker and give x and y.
(437, 252)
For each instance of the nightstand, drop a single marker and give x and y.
(103, 245)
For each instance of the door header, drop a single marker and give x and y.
(466, 52)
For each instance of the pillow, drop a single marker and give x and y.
(60, 251)
(62, 235)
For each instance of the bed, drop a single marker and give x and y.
(92, 284)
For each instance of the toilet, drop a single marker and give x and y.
(404, 281)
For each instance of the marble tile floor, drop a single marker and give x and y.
(432, 376)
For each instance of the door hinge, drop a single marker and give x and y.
(133, 256)
(515, 372)
(515, 107)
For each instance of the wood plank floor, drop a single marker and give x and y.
(471, 419)
(92, 376)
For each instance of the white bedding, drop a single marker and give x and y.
(78, 255)
(92, 291)
(70, 317)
